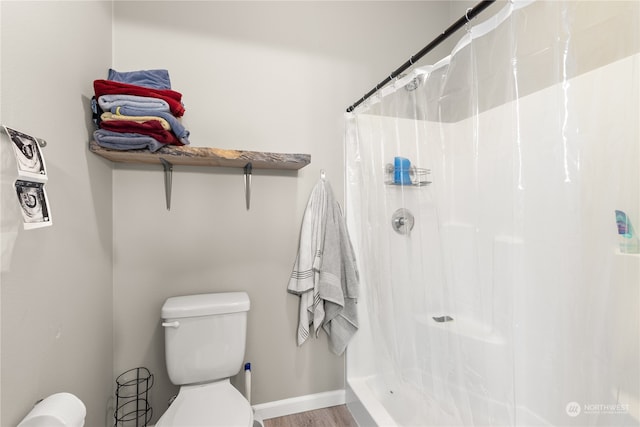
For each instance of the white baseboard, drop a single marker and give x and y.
(294, 405)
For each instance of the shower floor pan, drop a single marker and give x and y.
(376, 402)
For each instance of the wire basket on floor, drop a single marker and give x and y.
(132, 398)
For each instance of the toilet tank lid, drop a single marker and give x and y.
(205, 304)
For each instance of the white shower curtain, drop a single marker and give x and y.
(509, 302)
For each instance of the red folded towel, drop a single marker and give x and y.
(110, 87)
(152, 128)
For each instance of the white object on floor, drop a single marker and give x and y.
(57, 410)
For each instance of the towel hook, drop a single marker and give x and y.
(323, 176)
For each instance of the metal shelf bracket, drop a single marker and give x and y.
(168, 172)
(247, 184)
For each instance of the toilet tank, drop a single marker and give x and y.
(205, 336)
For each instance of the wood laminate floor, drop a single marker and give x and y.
(335, 416)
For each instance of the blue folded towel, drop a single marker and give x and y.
(125, 141)
(177, 127)
(154, 79)
(150, 105)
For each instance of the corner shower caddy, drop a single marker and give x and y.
(418, 176)
(170, 155)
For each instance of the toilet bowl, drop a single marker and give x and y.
(213, 404)
(205, 338)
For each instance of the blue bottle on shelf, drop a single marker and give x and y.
(401, 167)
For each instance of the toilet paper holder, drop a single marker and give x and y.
(57, 409)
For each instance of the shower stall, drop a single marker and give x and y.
(498, 287)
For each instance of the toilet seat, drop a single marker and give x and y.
(213, 404)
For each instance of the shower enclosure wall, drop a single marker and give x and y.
(509, 301)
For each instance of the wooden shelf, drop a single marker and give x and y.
(205, 156)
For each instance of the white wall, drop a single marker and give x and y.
(56, 282)
(269, 76)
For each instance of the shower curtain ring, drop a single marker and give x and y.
(393, 80)
(466, 15)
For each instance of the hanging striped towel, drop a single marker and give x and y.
(325, 275)
(306, 270)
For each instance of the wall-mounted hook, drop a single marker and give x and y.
(247, 184)
(168, 169)
(41, 142)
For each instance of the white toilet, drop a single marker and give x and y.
(204, 347)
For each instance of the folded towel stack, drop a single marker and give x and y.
(138, 110)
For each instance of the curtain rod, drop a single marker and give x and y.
(468, 16)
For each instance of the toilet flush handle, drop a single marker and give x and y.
(173, 324)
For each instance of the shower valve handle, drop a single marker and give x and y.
(402, 221)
